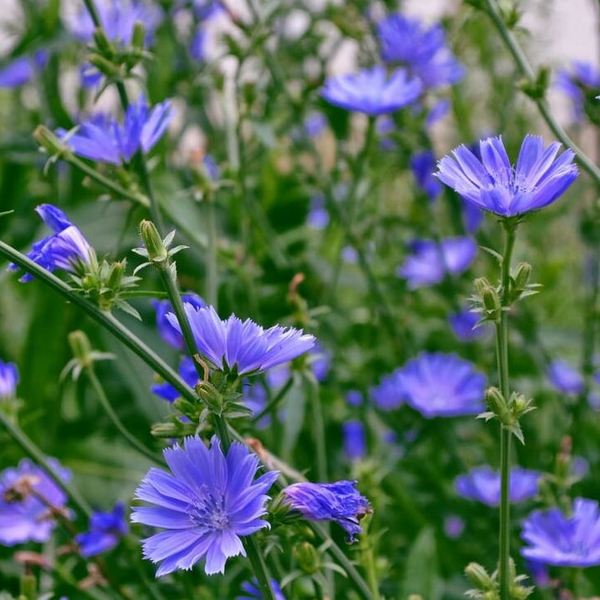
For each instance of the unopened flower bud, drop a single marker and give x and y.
(103, 45)
(497, 404)
(117, 270)
(479, 577)
(522, 275)
(49, 141)
(157, 251)
(308, 557)
(105, 66)
(139, 35)
(81, 347)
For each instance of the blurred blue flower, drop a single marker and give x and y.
(319, 361)
(243, 345)
(318, 215)
(9, 377)
(387, 395)
(253, 591)
(539, 573)
(371, 91)
(554, 538)
(188, 373)
(198, 43)
(472, 216)
(314, 124)
(206, 9)
(103, 139)
(583, 76)
(205, 505)
(340, 502)
(22, 70)
(118, 19)
(422, 165)
(167, 332)
(421, 49)
(66, 248)
(355, 441)
(255, 397)
(454, 526)
(431, 261)
(437, 112)
(106, 529)
(25, 516)
(349, 255)
(483, 485)
(539, 177)
(565, 378)
(441, 385)
(354, 397)
(463, 325)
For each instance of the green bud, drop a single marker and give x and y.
(157, 251)
(165, 430)
(103, 45)
(105, 66)
(479, 577)
(81, 348)
(115, 276)
(489, 297)
(522, 276)
(497, 404)
(50, 142)
(139, 35)
(308, 557)
(211, 396)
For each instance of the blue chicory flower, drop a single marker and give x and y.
(454, 526)
(25, 516)
(9, 377)
(355, 440)
(483, 485)
(565, 378)
(463, 324)
(556, 539)
(255, 397)
(205, 505)
(188, 373)
(106, 529)
(354, 398)
(421, 49)
(371, 91)
(167, 332)
(430, 261)
(103, 139)
(243, 345)
(22, 70)
(539, 177)
(318, 215)
(441, 385)
(349, 255)
(252, 591)
(583, 76)
(340, 502)
(65, 249)
(387, 394)
(422, 165)
(314, 124)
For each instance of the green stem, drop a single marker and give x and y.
(112, 415)
(31, 449)
(527, 71)
(212, 273)
(369, 560)
(259, 567)
(272, 405)
(318, 426)
(505, 434)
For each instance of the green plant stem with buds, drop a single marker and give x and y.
(505, 433)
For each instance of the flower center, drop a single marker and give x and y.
(208, 511)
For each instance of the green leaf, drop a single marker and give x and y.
(421, 573)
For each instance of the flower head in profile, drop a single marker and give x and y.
(106, 529)
(167, 332)
(252, 591)
(372, 91)
(387, 395)
(65, 249)
(26, 495)
(419, 48)
(9, 377)
(430, 261)
(205, 504)
(118, 19)
(422, 165)
(355, 441)
(579, 82)
(441, 385)
(22, 70)
(539, 177)
(483, 485)
(187, 371)
(242, 345)
(103, 139)
(340, 502)
(565, 378)
(554, 538)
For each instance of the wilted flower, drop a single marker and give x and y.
(340, 502)
(441, 385)
(463, 324)
(565, 378)
(355, 442)
(9, 377)
(422, 165)
(27, 497)
(387, 395)
(253, 592)
(492, 183)
(564, 541)
(106, 529)
(65, 249)
(118, 19)
(103, 139)
(22, 70)
(371, 91)
(167, 332)
(483, 484)
(420, 48)
(243, 345)
(205, 505)
(431, 261)
(584, 76)
(187, 371)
